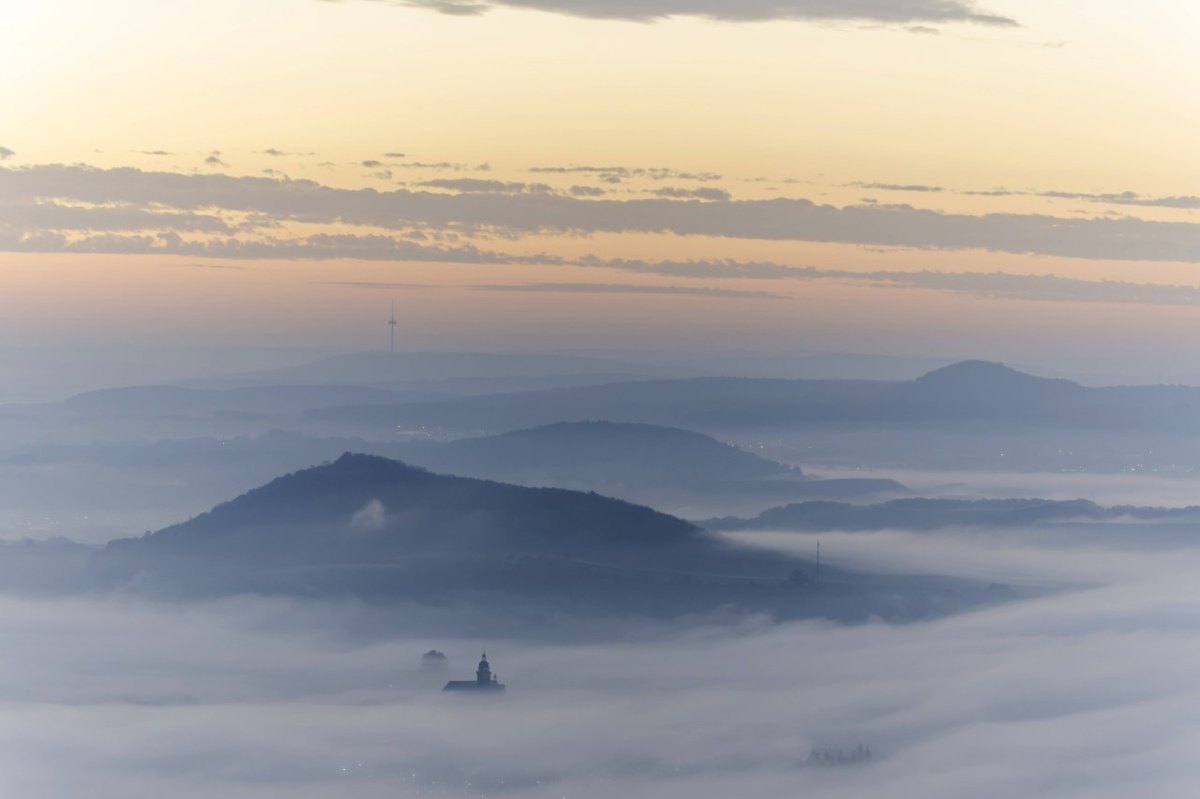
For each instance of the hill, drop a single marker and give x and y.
(603, 453)
(365, 508)
(932, 514)
(488, 553)
(965, 392)
(679, 471)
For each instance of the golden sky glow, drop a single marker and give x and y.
(1084, 112)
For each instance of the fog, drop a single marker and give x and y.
(1129, 488)
(1073, 678)
(1084, 692)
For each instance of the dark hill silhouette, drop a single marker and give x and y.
(676, 470)
(516, 558)
(987, 378)
(599, 453)
(932, 514)
(365, 506)
(977, 387)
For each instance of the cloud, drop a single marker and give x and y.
(914, 187)
(6, 153)
(446, 166)
(781, 219)
(625, 288)
(394, 155)
(369, 518)
(587, 191)
(703, 193)
(1038, 288)
(1000, 285)
(316, 247)
(620, 173)
(24, 219)
(376, 284)
(214, 266)
(1189, 202)
(892, 12)
(475, 185)
(572, 288)
(214, 160)
(1088, 693)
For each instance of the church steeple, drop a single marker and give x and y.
(485, 679)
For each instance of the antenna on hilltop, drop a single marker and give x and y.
(392, 325)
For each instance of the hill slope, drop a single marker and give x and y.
(496, 555)
(965, 392)
(599, 453)
(932, 514)
(364, 508)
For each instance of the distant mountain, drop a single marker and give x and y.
(266, 400)
(680, 471)
(515, 558)
(472, 372)
(961, 393)
(454, 372)
(136, 484)
(976, 388)
(932, 514)
(703, 403)
(595, 454)
(986, 380)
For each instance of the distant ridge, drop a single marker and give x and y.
(932, 514)
(600, 452)
(407, 369)
(984, 379)
(959, 393)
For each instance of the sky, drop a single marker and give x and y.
(1004, 179)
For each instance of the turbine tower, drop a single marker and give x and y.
(392, 325)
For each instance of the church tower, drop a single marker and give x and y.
(484, 680)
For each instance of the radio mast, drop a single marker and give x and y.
(392, 325)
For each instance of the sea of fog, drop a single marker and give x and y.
(1088, 692)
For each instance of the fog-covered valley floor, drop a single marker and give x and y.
(1087, 692)
(651, 596)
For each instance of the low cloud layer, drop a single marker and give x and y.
(1089, 693)
(896, 12)
(275, 201)
(1006, 285)
(626, 288)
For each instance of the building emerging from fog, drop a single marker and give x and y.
(484, 680)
